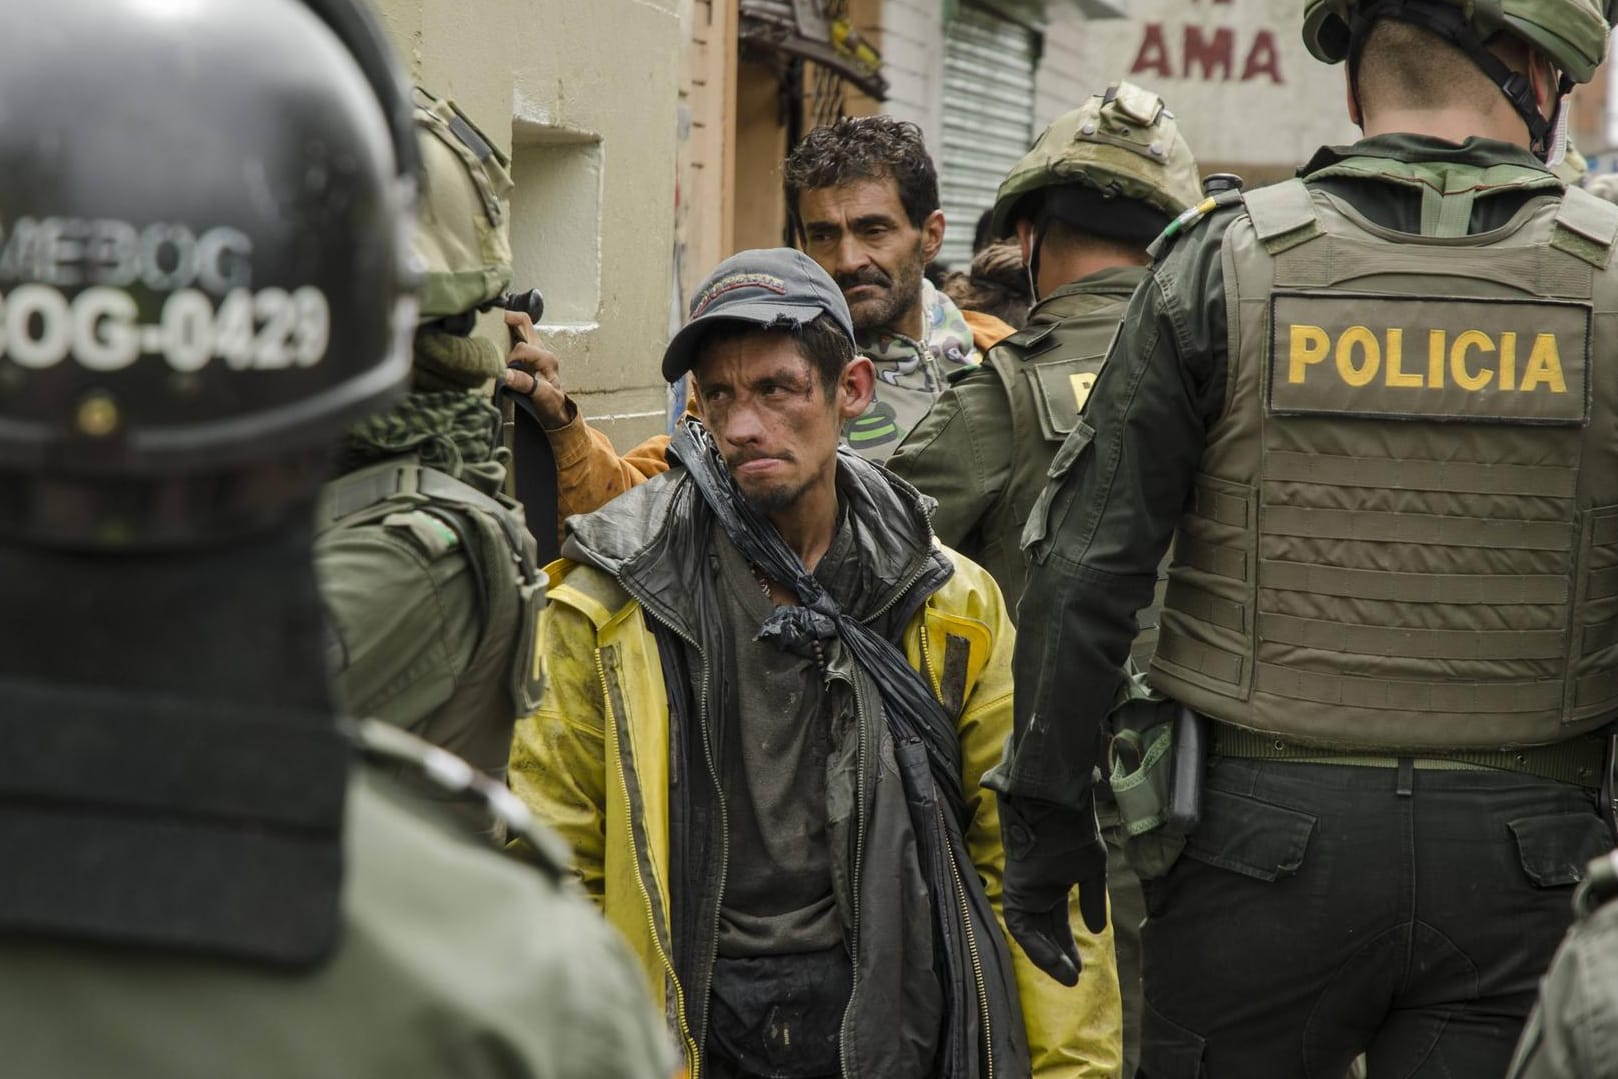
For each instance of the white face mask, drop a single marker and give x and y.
(1558, 147)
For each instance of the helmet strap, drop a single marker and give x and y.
(1450, 23)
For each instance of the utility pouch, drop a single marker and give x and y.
(1140, 759)
(1139, 764)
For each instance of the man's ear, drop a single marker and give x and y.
(1025, 239)
(932, 235)
(856, 388)
(1543, 81)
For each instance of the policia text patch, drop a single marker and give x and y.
(1494, 361)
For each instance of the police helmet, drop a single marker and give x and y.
(1572, 33)
(204, 260)
(1116, 166)
(463, 242)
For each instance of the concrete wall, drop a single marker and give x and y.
(585, 96)
(913, 61)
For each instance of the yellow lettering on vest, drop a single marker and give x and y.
(1365, 371)
(1508, 360)
(1435, 359)
(1544, 365)
(1396, 349)
(1082, 383)
(1309, 345)
(1463, 375)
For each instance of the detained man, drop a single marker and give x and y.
(771, 696)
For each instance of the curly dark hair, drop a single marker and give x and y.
(864, 148)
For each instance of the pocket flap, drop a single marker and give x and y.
(1257, 839)
(1555, 847)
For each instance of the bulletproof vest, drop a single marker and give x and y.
(448, 518)
(1047, 370)
(1404, 533)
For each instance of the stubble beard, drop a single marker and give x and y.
(774, 499)
(905, 293)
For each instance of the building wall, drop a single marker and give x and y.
(1248, 96)
(585, 96)
(913, 61)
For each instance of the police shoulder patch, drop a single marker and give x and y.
(1190, 219)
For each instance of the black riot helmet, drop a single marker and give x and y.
(204, 250)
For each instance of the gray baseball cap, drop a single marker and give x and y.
(772, 288)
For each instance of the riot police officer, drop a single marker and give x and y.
(201, 283)
(1373, 408)
(1097, 187)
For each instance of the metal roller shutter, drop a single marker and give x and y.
(989, 63)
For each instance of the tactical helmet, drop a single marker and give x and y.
(1123, 144)
(203, 260)
(1572, 33)
(463, 244)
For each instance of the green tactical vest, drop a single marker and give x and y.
(1047, 370)
(1404, 534)
(502, 680)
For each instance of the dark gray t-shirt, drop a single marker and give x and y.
(776, 736)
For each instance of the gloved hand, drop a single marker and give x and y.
(1050, 848)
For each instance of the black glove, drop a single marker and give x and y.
(1050, 848)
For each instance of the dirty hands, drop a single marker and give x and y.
(534, 371)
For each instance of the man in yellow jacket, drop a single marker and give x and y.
(770, 697)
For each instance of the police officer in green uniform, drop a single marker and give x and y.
(431, 580)
(1573, 1033)
(201, 283)
(1373, 409)
(1099, 184)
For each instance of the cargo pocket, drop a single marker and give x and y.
(1039, 524)
(1244, 835)
(1168, 1050)
(1555, 847)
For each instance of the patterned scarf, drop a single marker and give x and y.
(448, 430)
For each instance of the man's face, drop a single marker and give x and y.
(773, 420)
(859, 234)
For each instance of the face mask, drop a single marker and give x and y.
(1557, 150)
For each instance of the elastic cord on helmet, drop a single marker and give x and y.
(1450, 23)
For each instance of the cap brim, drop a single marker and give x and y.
(681, 354)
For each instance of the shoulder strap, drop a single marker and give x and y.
(406, 479)
(1586, 227)
(1283, 215)
(384, 744)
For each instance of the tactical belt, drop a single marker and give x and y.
(1578, 761)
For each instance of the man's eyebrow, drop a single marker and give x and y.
(867, 220)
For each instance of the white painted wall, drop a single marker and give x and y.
(586, 93)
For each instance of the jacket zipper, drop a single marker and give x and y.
(960, 898)
(645, 892)
(977, 961)
(861, 814)
(724, 825)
